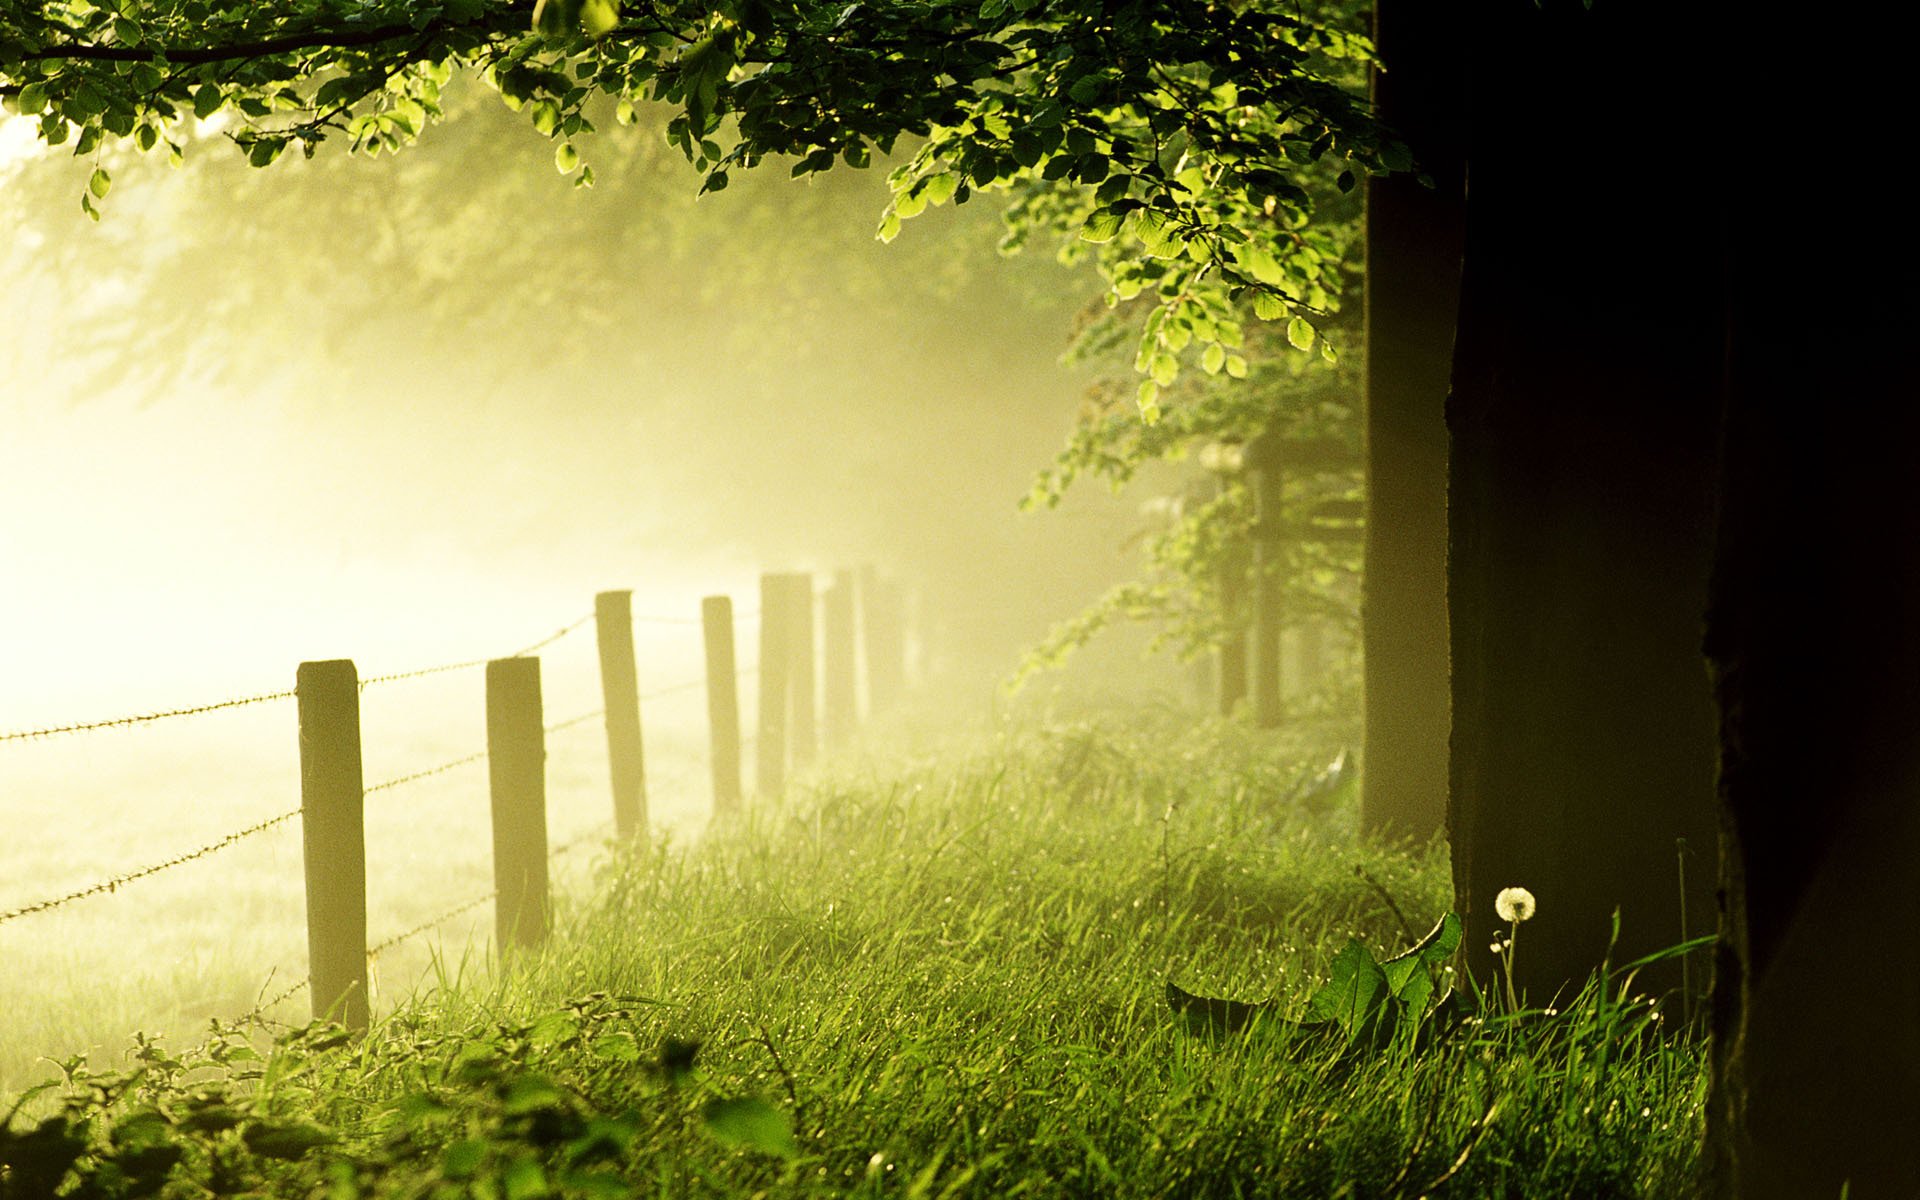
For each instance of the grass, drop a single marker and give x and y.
(941, 979)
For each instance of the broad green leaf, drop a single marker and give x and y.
(751, 1124)
(566, 158)
(1148, 400)
(1355, 988)
(32, 99)
(1300, 334)
(290, 1141)
(1102, 226)
(889, 226)
(599, 17)
(1268, 307)
(1236, 366)
(100, 183)
(463, 1158)
(1166, 368)
(524, 1179)
(1213, 358)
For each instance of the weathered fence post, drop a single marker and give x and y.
(802, 730)
(333, 840)
(517, 766)
(770, 745)
(620, 691)
(886, 641)
(723, 703)
(840, 698)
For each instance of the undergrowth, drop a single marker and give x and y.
(948, 979)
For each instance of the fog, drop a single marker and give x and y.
(417, 411)
(406, 409)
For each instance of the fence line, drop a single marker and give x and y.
(403, 780)
(118, 881)
(373, 952)
(717, 686)
(554, 637)
(141, 719)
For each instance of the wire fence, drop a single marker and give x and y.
(22, 735)
(116, 882)
(113, 883)
(260, 1009)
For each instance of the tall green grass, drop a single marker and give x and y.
(941, 978)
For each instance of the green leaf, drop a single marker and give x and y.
(524, 1179)
(599, 17)
(618, 1046)
(100, 183)
(1300, 334)
(751, 1124)
(1213, 358)
(462, 1159)
(1268, 307)
(1103, 225)
(566, 159)
(1166, 368)
(290, 1141)
(1236, 366)
(1148, 400)
(32, 99)
(889, 226)
(1409, 975)
(1355, 989)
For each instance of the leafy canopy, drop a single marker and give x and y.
(1184, 138)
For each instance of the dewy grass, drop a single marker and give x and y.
(942, 979)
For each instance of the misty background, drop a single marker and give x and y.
(418, 410)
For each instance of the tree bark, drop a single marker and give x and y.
(1582, 421)
(1414, 237)
(1814, 637)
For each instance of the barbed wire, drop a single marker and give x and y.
(375, 951)
(141, 718)
(671, 688)
(428, 773)
(397, 676)
(260, 1010)
(555, 636)
(117, 882)
(379, 948)
(570, 722)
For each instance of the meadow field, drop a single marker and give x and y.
(933, 973)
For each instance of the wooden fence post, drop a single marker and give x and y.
(620, 691)
(840, 699)
(333, 840)
(881, 607)
(723, 703)
(517, 766)
(770, 745)
(802, 730)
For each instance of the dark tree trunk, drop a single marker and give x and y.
(1814, 636)
(1413, 285)
(1583, 420)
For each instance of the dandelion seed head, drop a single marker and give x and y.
(1514, 904)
